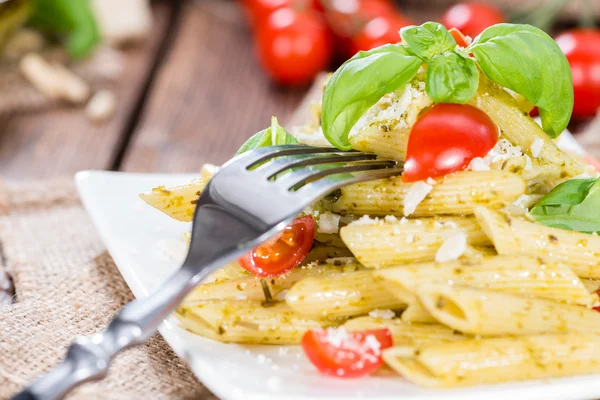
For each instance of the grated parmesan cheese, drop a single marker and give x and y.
(452, 248)
(430, 181)
(383, 314)
(502, 151)
(479, 164)
(365, 220)
(414, 196)
(390, 218)
(536, 147)
(339, 260)
(329, 223)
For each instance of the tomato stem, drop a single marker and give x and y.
(269, 302)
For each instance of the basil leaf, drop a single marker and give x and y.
(73, 19)
(428, 40)
(573, 205)
(452, 79)
(358, 84)
(272, 136)
(528, 61)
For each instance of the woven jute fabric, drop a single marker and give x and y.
(66, 286)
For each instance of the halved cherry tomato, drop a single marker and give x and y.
(582, 48)
(459, 37)
(339, 353)
(379, 31)
(445, 139)
(472, 18)
(282, 252)
(294, 46)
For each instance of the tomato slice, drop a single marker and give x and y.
(284, 251)
(460, 38)
(445, 139)
(336, 352)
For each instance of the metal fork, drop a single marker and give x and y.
(253, 197)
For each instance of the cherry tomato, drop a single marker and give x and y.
(294, 47)
(336, 352)
(582, 48)
(348, 17)
(259, 10)
(445, 139)
(379, 31)
(534, 112)
(282, 252)
(472, 18)
(460, 39)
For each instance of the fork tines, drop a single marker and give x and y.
(315, 169)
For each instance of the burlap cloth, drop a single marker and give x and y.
(67, 285)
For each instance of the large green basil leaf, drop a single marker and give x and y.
(428, 40)
(358, 84)
(274, 135)
(452, 78)
(528, 61)
(573, 205)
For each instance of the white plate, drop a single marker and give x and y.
(144, 244)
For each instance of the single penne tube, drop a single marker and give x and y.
(178, 202)
(518, 236)
(518, 127)
(251, 288)
(487, 313)
(246, 321)
(455, 194)
(380, 243)
(417, 333)
(495, 360)
(341, 295)
(416, 313)
(512, 274)
(387, 139)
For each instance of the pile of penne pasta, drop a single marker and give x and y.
(470, 288)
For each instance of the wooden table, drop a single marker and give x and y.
(192, 93)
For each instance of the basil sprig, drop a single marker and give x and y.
(274, 135)
(519, 57)
(528, 61)
(573, 205)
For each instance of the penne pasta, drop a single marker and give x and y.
(250, 287)
(380, 244)
(416, 313)
(487, 313)
(494, 360)
(387, 139)
(402, 332)
(338, 296)
(455, 194)
(519, 128)
(518, 236)
(511, 274)
(246, 321)
(178, 202)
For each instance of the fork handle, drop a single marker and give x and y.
(89, 357)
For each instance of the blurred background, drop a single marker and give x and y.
(151, 86)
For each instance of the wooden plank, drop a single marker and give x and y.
(61, 141)
(209, 96)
